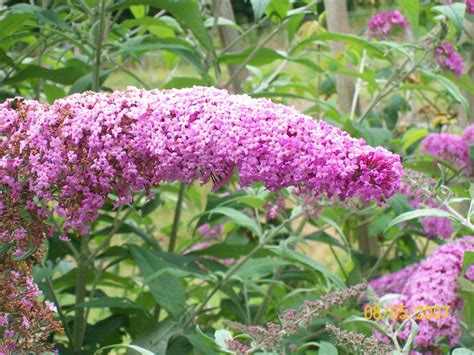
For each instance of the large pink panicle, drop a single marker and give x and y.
(84, 147)
(432, 282)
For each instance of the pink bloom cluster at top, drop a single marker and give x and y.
(382, 24)
(447, 58)
(470, 6)
(85, 146)
(450, 147)
(429, 283)
(418, 189)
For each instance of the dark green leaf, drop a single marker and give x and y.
(185, 11)
(167, 289)
(65, 76)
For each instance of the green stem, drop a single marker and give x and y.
(236, 267)
(383, 256)
(261, 45)
(81, 283)
(177, 216)
(67, 329)
(98, 48)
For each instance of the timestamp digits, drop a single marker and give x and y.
(401, 312)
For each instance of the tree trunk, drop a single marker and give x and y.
(223, 8)
(338, 22)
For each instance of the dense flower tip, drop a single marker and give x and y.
(447, 58)
(450, 147)
(429, 283)
(382, 24)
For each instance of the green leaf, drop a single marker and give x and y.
(427, 212)
(157, 338)
(306, 261)
(452, 89)
(221, 337)
(280, 7)
(259, 267)
(414, 331)
(239, 218)
(411, 9)
(455, 13)
(471, 153)
(412, 136)
(65, 76)
(167, 290)
(110, 302)
(222, 21)
(467, 261)
(367, 322)
(150, 206)
(185, 11)
(84, 83)
(10, 23)
(139, 11)
(259, 7)
(400, 204)
(262, 57)
(325, 238)
(137, 348)
(4, 58)
(326, 348)
(178, 46)
(462, 351)
(180, 82)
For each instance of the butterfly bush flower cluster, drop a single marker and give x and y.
(429, 283)
(447, 58)
(66, 158)
(451, 147)
(358, 343)
(384, 23)
(25, 322)
(419, 191)
(269, 335)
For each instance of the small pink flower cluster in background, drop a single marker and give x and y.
(447, 58)
(429, 283)
(451, 147)
(419, 191)
(384, 23)
(273, 209)
(213, 235)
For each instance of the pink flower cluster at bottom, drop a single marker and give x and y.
(429, 283)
